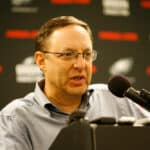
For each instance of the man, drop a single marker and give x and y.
(64, 53)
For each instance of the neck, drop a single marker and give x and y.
(64, 102)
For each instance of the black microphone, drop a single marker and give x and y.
(145, 94)
(77, 115)
(120, 86)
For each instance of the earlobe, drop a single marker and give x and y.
(40, 60)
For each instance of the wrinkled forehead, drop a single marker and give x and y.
(72, 36)
(70, 31)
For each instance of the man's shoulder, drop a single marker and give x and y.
(18, 104)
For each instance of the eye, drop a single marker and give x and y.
(87, 54)
(69, 54)
(65, 54)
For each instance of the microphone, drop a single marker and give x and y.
(120, 86)
(145, 94)
(77, 115)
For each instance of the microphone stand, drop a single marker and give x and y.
(139, 97)
(145, 94)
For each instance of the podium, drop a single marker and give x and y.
(82, 135)
(122, 138)
(77, 136)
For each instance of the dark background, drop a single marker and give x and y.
(20, 19)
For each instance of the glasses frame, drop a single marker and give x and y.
(74, 54)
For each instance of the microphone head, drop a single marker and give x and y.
(76, 116)
(118, 85)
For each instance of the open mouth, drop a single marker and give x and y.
(77, 80)
(77, 77)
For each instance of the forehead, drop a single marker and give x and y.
(70, 36)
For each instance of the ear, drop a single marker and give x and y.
(40, 60)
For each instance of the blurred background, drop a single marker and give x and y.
(121, 31)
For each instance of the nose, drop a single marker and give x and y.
(79, 62)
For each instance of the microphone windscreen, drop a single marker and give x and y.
(118, 85)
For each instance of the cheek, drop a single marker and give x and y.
(60, 71)
(89, 69)
(64, 71)
(89, 73)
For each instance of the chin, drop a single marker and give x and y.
(77, 90)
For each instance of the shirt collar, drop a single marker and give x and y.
(39, 94)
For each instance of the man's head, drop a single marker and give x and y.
(64, 53)
(53, 24)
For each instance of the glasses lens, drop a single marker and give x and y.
(94, 55)
(70, 55)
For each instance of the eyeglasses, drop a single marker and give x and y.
(69, 55)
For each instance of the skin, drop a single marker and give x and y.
(66, 81)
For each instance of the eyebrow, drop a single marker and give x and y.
(74, 50)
